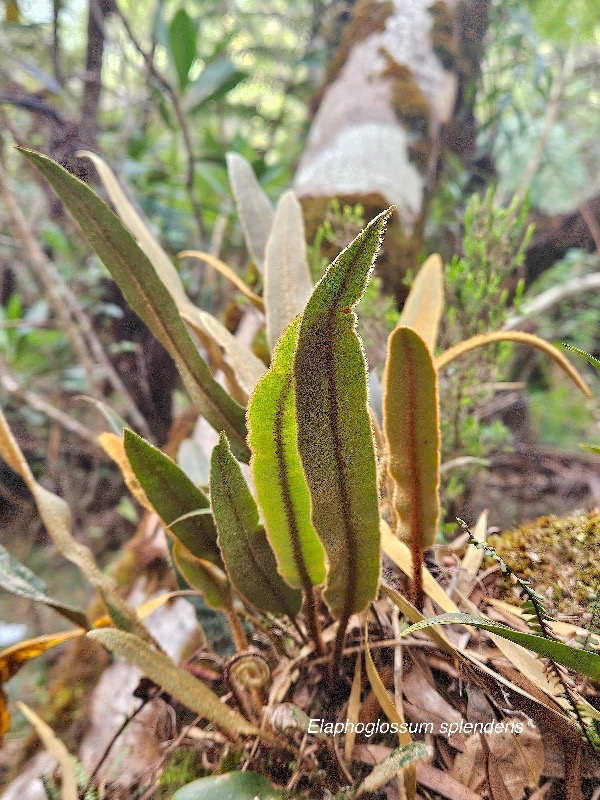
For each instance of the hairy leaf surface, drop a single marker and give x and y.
(425, 302)
(147, 295)
(204, 576)
(246, 551)
(335, 438)
(191, 692)
(411, 426)
(173, 495)
(246, 366)
(277, 471)
(287, 278)
(391, 765)
(254, 207)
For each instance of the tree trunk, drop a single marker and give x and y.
(384, 117)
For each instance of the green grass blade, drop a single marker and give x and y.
(248, 557)
(335, 438)
(173, 496)
(584, 662)
(587, 356)
(147, 295)
(277, 471)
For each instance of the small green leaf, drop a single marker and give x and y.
(182, 45)
(17, 579)
(287, 278)
(173, 496)
(584, 662)
(182, 685)
(281, 487)
(411, 426)
(214, 82)
(591, 448)
(335, 439)
(204, 576)
(254, 207)
(587, 356)
(147, 295)
(231, 786)
(246, 551)
(391, 765)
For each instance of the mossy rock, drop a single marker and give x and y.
(558, 555)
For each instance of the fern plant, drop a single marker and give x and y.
(300, 537)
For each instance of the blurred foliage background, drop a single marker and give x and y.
(163, 89)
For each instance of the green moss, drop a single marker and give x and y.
(183, 767)
(410, 105)
(558, 556)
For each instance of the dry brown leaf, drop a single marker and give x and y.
(519, 759)
(468, 766)
(496, 786)
(443, 783)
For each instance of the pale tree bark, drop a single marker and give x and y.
(384, 117)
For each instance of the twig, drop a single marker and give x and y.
(35, 104)
(49, 279)
(185, 131)
(591, 222)
(99, 354)
(551, 297)
(67, 308)
(552, 107)
(10, 385)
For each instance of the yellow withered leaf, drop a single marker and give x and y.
(514, 336)
(56, 749)
(227, 272)
(425, 302)
(12, 658)
(114, 446)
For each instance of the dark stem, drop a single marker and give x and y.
(336, 659)
(312, 619)
(417, 581)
